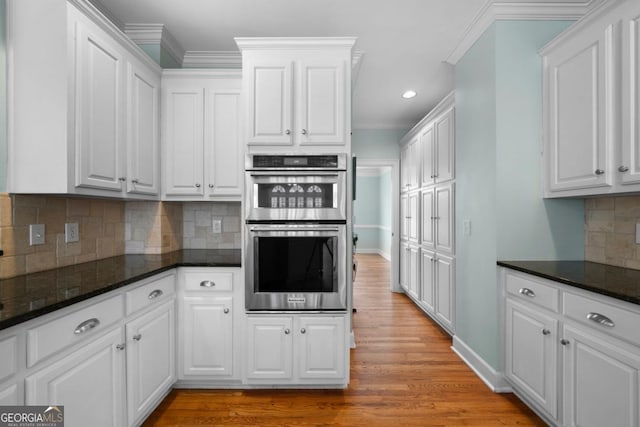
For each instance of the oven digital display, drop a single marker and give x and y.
(295, 161)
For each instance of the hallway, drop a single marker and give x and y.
(402, 372)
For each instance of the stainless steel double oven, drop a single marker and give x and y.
(295, 235)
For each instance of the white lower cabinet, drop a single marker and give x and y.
(574, 356)
(437, 296)
(89, 383)
(150, 360)
(299, 349)
(601, 380)
(10, 395)
(207, 324)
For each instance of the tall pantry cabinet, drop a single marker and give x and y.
(427, 251)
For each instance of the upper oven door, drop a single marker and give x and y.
(295, 196)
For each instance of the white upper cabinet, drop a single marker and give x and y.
(201, 135)
(445, 147)
(590, 124)
(297, 92)
(101, 109)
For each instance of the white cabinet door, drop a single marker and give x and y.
(89, 383)
(404, 266)
(207, 329)
(184, 141)
(404, 169)
(414, 217)
(99, 114)
(143, 143)
(579, 101)
(427, 147)
(269, 91)
(629, 170)
(321, 347)
(428, 214)
(10, 395)
(413, 274)
(270, 348)
(444, 221)
(531, 354)
(427, 282)
(150, 359)
(405, 217)
(445, 291)
(444, 148)
(321, 115)
(223, 147)
(601, 381)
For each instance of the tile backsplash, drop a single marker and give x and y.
(610, 230)
(198, 230)
(152, 227)
(100, 223)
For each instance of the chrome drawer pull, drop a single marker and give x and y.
(527, 292)
(546, 332)
(207, 283)
(601, 319)
(155, 294)
(87, 325)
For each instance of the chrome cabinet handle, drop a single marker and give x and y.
(287, 132)
(303, 331)
(287, 331)
(134, 181)
(210, 185)
(120, 346)
(564, 341)
(599, 172)
(226, 310)
(207, 283)
(155, 294)
(601, 319)
(623, 169)
(304, 131)
(546, 332)
(527, 292)
(122, 179)
(197, 185)
(85, 326)
(137, 337)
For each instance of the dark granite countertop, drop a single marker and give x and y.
(26, 297)
(617, 282)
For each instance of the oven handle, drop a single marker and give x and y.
(258, 229)
(294, 173)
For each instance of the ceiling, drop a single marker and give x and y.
(405, 42)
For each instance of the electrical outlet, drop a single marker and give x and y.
(217, 226)
(71, 232)
(36, 234)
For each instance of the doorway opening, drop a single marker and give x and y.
(376, 212)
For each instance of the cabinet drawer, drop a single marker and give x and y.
(209, 281)
(9, 357)
(146, 295)
(532, 291)
(55, 335)
(604, 317)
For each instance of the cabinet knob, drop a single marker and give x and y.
(122, 179)
(564, 341)
(546, 332)
(599, 172)
(303, 331)
(226, 310)
(137, 337)
(210, 185)
(197, 185)
(287, 331)
(623, 168)
(287, 132)
(134, 181)
(304, 131)
(120, 346)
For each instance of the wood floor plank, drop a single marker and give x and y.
(403, 373)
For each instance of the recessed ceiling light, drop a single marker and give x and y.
(409, 94)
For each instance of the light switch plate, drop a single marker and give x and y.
(36, 234)
(71, 232)
(217, 226)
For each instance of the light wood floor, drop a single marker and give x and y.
(403, 373)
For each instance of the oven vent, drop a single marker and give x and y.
(265, 161)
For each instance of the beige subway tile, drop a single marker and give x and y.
(25, 215)
(603, 226)
(27, 200)
(595, 238)
(113, 212)
(623, 225)
(53, 219)
(119, 230)
(78, 207)
(627, 206)
(66, 260)
(96, 208)
(614, 261)
(11, 266)
(15, 240)
(109, 230)
(594, 254)
(118, 247)
(89, 245)
(632, 263)
(56, 203)
(105, 248)
(85, 258)
(6, 210)
(40, 261)
(91, 227)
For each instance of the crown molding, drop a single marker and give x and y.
(212, 59)
(107, 13)
(494, 10)
(445, 104)
(156, 34)
(291, 43)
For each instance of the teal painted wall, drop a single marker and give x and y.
(498, 175)
(376, 143)
(372, 207)
(3, 97)
(385, 212)
(160, 55)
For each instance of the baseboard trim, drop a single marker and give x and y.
(492, 378)
(374, 251)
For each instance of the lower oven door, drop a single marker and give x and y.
(296, 267)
